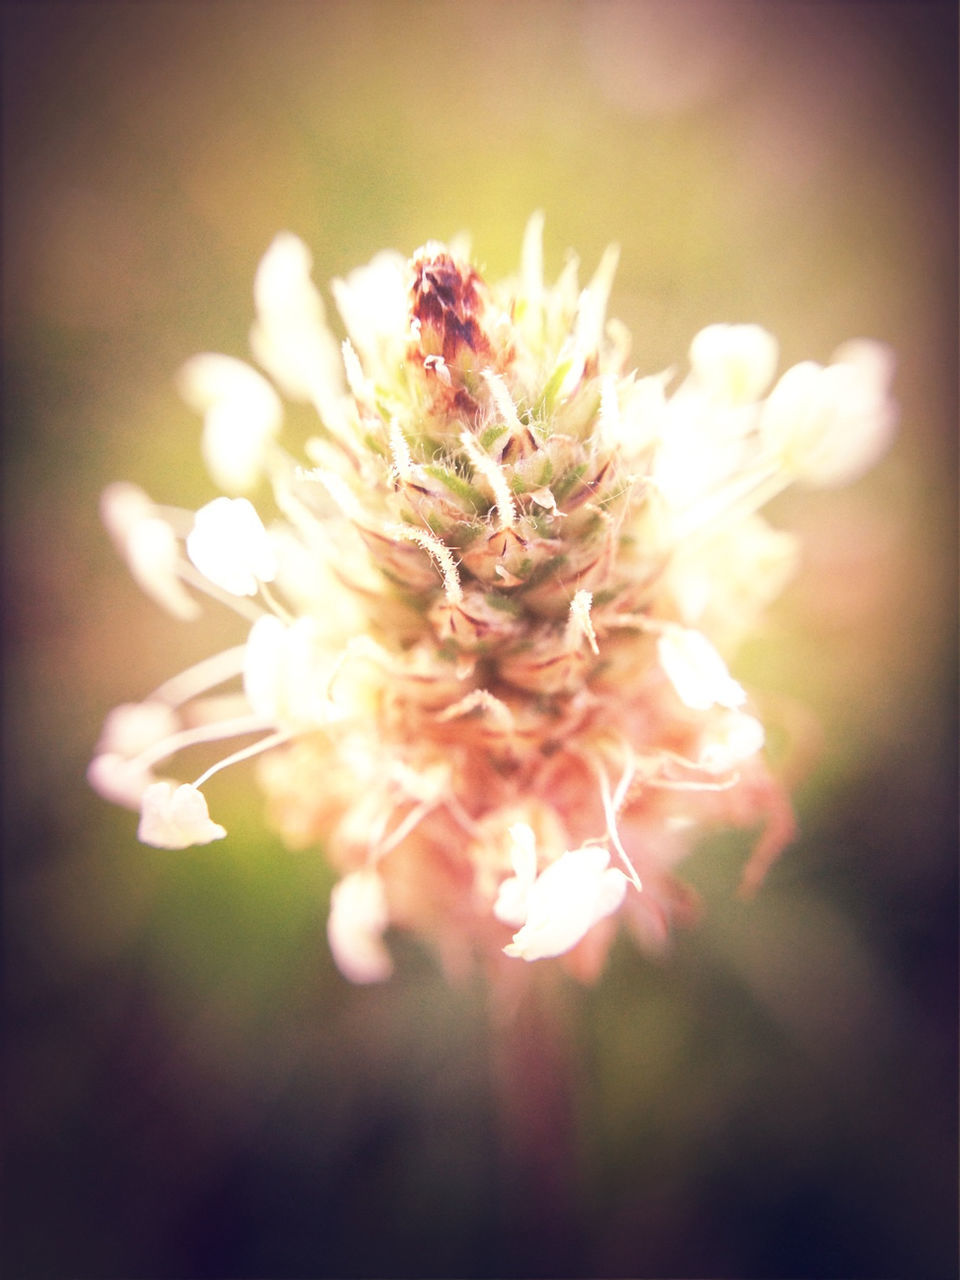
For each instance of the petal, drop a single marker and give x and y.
(173, 817)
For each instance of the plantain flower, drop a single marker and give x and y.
(487, 622)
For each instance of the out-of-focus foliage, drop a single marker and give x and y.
(193, 1088)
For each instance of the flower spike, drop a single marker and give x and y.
(490, 624)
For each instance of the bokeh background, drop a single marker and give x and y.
(192, 1088)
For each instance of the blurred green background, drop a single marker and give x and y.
(192, 1089)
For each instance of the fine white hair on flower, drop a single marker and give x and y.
(358, 917)
(230, 546)
(176, 817)
(565, 901)
(697, 671)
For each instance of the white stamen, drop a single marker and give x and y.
(202, 676)
(697, 671)
(202, 733)
(734, 362)
(565, 901)
(400, 833)
(255, 749)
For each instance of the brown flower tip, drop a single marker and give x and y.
(448, 302)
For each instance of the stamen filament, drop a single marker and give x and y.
(265, 744)
(276, 607)
(741, 497)
(409, 823)
(201, 677)
(199, 734)
(676, 784)
(239, 604)
(610, 813)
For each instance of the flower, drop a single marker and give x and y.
(486, 631)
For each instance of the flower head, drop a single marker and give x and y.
(486, 634)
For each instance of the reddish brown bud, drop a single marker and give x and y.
(448, 299)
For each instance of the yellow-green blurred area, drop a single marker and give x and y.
(193, 1089)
